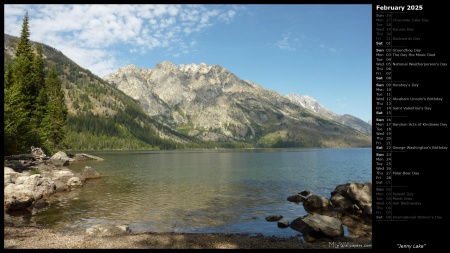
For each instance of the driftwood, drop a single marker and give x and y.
(20, 157)
(35, 157)
(90, 156)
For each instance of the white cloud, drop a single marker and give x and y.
(228, 16)
(88, 33)
(325, 48)
(288, 43)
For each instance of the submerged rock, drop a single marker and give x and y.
(89, 173)
(295, 198)
(108, 230)
(274, 217)
(283, 224)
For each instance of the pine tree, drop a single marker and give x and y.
(24, 46)
(7, 71)
(55, 117)
(41, 99)
(15, 117)
(39, 70)
(24, 81)
(28, 80)
(18, 106)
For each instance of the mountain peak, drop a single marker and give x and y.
(165, 65)
(202, 68)
(130, 67)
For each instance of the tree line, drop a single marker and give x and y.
(35, 113)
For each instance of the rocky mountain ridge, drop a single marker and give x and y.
(212, 104)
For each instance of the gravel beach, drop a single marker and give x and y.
(27, 237)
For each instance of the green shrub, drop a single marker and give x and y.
(35, 171)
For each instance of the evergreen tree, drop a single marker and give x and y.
(41, 99)
(7, 71)
(24, 80)
(15, 118)
(18, 101)
(28, 80)
(39, 70)
(24, 46)
(55, 117)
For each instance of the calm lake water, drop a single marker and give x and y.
(218, 191)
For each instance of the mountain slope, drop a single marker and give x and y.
(101, 116)
(212, 104)
(346, 119)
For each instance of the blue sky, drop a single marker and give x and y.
(324, 51)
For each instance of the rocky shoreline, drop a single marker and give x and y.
(31, 181)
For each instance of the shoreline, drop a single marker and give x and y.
(17, 235)
(31, 237)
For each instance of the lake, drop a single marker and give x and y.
(202, 191)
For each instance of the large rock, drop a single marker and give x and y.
(318, 226)
(61, 179)
(357, 226)
(300, 226)
(339, 201)
(17, 197)
(40, 186)
(60, 158)
(62, 175)
(7, 180)
(359, 194)
(9, 176)
(316, 202)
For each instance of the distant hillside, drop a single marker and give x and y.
(346, 119)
